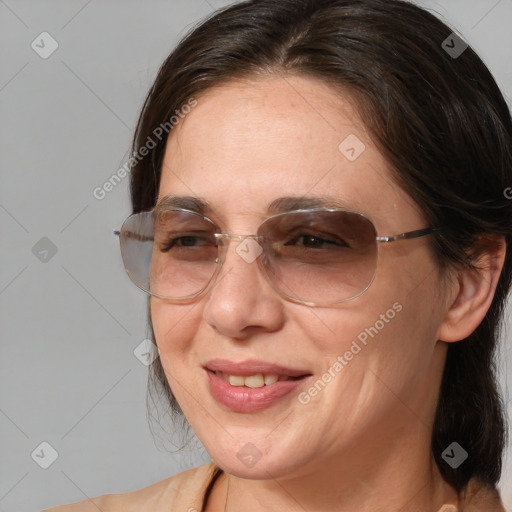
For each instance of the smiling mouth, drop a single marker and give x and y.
(261, 386)
(257, 380)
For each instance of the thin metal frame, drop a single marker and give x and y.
(222, 251)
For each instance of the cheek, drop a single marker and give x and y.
(389, 331)
(361, 342)
(174, 327)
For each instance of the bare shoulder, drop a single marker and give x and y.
(185, 488)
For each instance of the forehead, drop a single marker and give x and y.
(249, 143)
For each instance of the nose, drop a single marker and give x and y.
(241, 301)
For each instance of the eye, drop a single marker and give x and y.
(316, 241)
(184, 241)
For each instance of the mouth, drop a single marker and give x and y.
(257, 380)
(252, 385)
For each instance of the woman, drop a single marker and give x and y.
(323, 236)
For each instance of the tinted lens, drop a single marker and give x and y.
(320, 257)
(136, 238)
(172, 254)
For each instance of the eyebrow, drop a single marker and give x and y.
(284, 204)
(279, 205)
(195, 204)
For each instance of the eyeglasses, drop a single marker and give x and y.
(316, 257)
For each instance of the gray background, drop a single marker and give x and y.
(69, 324)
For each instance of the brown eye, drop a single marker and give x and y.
(183, 241)
(316, 242)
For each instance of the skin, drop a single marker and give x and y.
(363, 443)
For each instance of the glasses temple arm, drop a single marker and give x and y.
(131, 234)
(410, 234)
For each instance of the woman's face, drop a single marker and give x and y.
(243, 146)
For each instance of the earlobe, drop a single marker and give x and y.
(472, 292)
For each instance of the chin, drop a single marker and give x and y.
(262, 469)
(254, 460)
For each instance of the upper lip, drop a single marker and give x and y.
(252, 367)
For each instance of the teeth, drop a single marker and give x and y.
(270, 379)
(236, 380)
(252, 381)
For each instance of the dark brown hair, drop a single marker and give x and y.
(440, 121)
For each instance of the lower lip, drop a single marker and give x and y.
(245, 399)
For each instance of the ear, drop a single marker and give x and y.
(473, 290)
